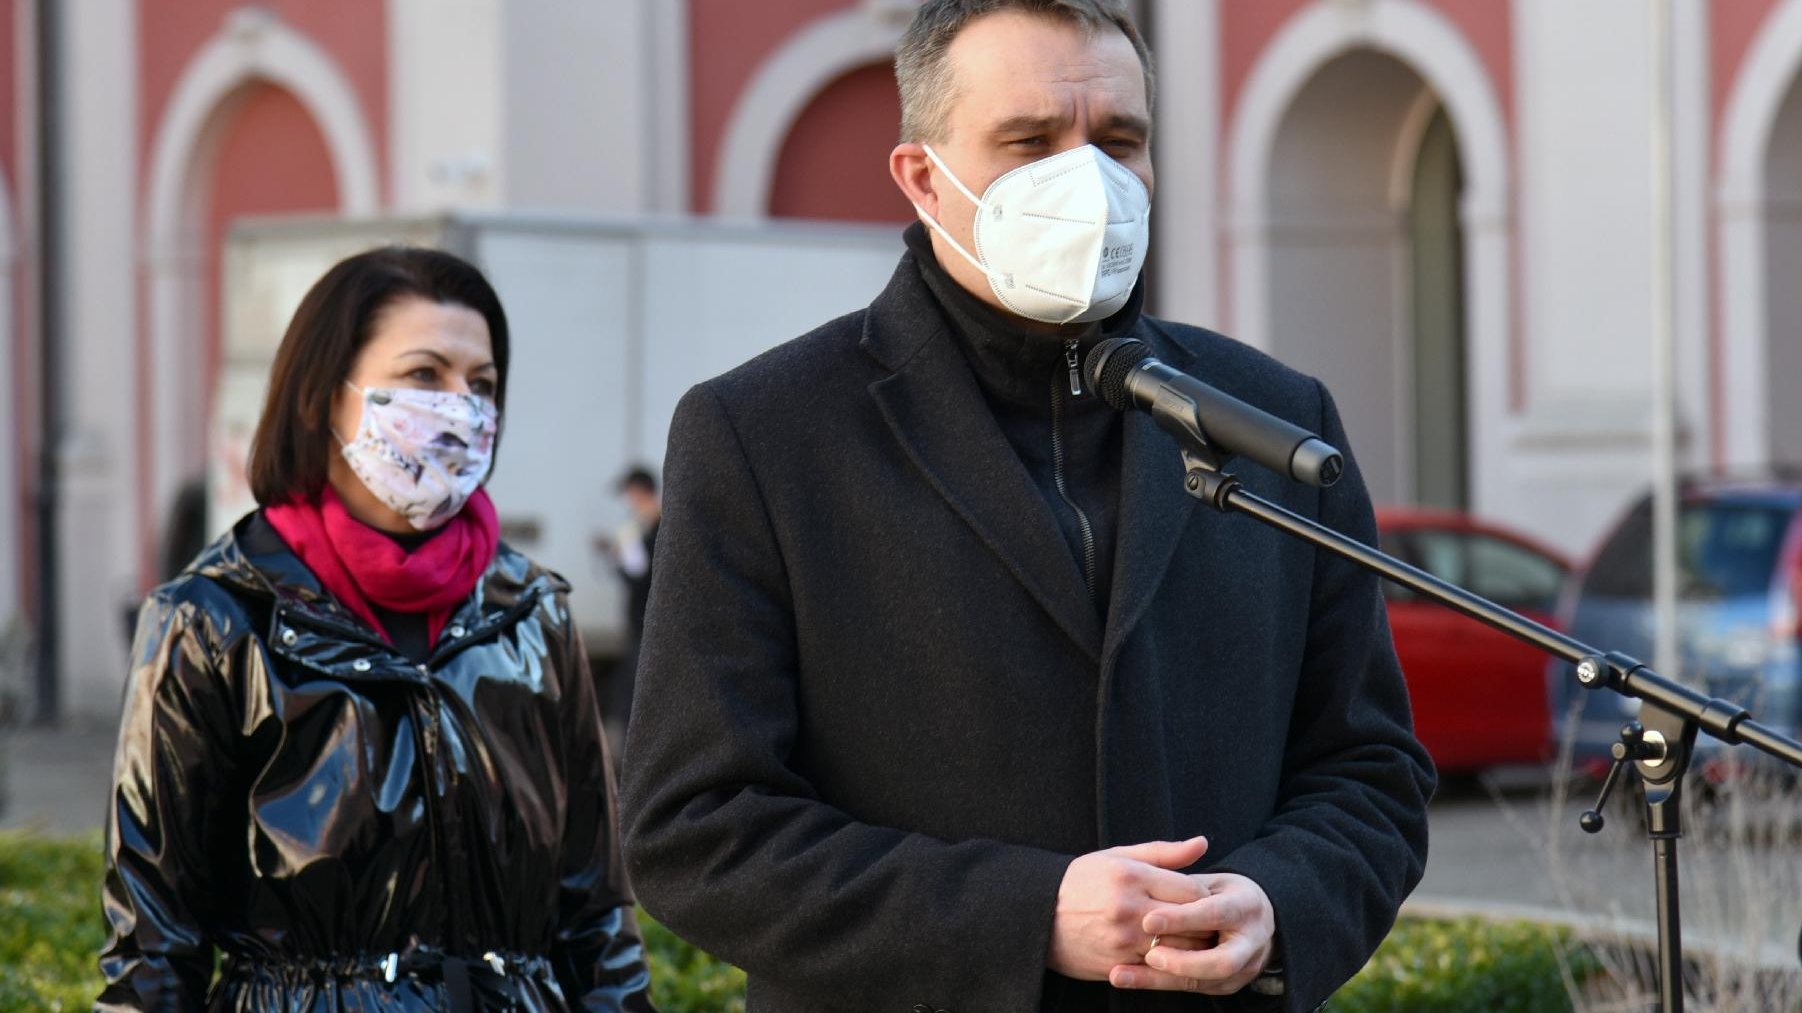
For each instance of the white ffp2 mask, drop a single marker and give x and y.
(1062, 239)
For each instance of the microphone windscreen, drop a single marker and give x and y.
(1108, 366)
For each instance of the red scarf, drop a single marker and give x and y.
(363, 568)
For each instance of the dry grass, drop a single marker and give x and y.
(1741, 888)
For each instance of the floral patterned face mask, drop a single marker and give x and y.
(422, 452)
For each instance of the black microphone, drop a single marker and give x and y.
(1126, 375)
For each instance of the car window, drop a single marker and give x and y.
(1723, 550)
(1727, 550)
(1623, 569)
(1440, 553)
(1399, 544)
(1513, 575)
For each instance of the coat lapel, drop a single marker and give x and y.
(936, 410)
(1154, 509)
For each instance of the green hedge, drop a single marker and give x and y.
(50, 930)
(50, 925)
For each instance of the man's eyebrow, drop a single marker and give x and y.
(1026, 125)
(1124, 121)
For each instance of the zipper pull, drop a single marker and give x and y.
(1075, 364)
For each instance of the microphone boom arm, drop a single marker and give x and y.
(1670, 713)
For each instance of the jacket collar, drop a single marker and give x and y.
(1011, 363)
(936, 412)
(309, 625)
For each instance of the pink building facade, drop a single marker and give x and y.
(1444, 207)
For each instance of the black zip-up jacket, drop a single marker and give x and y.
(1067, 438)
(349, 829)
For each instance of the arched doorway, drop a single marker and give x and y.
(1782, 214)
(263, 76)
(792, 79)
(1365, 273)
(259, 152)
(834, 162)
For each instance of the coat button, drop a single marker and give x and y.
(289, 637)
(458, 631)
(361, 664)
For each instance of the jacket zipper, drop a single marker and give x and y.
(1057, 460)
(430, 738)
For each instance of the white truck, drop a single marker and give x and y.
(611, 322)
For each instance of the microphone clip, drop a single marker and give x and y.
(1203, 478)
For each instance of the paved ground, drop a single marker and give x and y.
(1510, 846)
(56, 781)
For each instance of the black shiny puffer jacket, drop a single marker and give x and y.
(350, 830)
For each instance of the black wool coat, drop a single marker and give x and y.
(877, 715)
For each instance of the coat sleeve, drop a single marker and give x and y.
(1349, 838)
(729, 844)
(598, 958)
(170, 777)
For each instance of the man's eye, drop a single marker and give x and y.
(1028, 142)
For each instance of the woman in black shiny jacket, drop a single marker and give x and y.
(358, 817)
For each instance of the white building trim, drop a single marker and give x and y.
(1186, 150)
(253, 46)
(1764, 80)
(745, 169)
(1432, 47)
(671, 119)
(1690, 44)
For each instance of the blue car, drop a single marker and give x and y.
(1739, 585)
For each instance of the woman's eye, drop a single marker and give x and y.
(482, 388)
(424, 374)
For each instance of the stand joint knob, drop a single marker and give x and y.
(1635, 744)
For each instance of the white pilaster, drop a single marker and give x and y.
(576, 109)
(97, 547)
(446, 98)
(1186, 149)
(1582, 447)
(1690, 192)
(669, 118)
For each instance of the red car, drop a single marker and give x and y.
(1479, 696)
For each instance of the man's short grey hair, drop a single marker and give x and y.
(924, 76)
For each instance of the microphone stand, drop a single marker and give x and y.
(1658, 746)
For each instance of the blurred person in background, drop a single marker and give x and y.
(951, 697)
(360, 760)
(632, 552)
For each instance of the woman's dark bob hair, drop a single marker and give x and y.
(293, 442)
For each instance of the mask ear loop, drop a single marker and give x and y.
(363, 416)
(993, 276)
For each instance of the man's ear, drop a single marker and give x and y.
(912, 172)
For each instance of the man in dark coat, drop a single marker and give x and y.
(945, 677)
